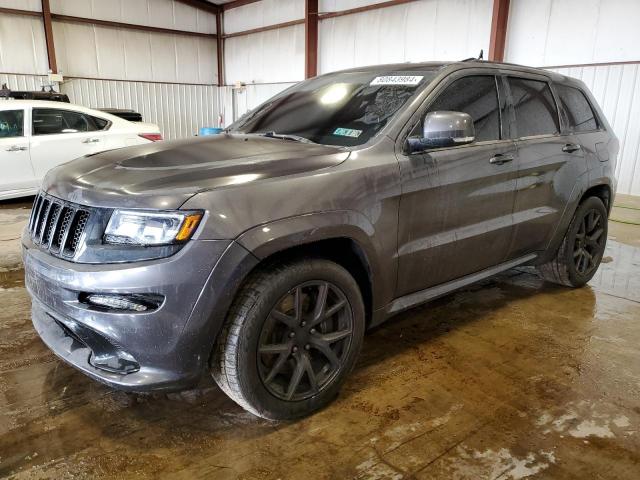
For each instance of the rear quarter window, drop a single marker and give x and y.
(577, 112)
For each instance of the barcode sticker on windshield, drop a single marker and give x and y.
(397, 80)
(347, 132)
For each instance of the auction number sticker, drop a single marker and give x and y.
(347, 132)
(397, 80)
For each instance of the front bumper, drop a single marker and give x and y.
(163, 349)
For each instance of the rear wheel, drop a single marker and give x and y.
(291, 337)
(579, 256)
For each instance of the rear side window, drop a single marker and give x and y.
(51, 121)
(11, 123)
(578, 113)
(476, 96)
(535, 107)
(100, 123)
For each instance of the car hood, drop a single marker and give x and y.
(166, 174)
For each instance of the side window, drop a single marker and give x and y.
(535, 107)
(50, 121)
(578, 113)
(478, 97)
(99, 123)
(11, 123)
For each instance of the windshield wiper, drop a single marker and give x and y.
(285, 136)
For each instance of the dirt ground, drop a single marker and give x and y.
(509, 379)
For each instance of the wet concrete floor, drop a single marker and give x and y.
(509, 379)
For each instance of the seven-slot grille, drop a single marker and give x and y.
(57, 226)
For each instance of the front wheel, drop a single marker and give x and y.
(579, 256)
(292, 335)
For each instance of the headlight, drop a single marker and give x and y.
(150, 228)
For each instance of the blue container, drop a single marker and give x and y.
(204, 131)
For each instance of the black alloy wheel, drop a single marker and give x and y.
(305, 340)
(578, 257)
(589, 242)
(291, 337)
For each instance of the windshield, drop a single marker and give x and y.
(344, 109)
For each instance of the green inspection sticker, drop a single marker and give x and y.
(347, 132)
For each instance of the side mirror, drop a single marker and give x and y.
(443, 129)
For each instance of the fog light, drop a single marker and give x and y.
(123, 303)
(117, 303)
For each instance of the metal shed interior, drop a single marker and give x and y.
(509, 378)
(161, 57)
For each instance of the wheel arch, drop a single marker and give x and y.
(602, 191)
(344, 237)
(583, 189)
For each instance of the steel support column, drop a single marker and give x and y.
(498, 30)
(48, 34)
(311, 38)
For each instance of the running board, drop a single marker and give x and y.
(413, 299)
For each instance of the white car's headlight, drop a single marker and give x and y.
(133, 227)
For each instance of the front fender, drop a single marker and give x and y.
(277, 236)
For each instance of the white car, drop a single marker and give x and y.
(37, 135)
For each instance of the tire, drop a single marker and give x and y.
(567, 269)
(256, 339)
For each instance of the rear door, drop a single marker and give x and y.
(60, 135)
(580, 120)
(548, 164)
(15, 162)
(456, 205)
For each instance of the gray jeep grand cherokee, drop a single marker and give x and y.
(263, 254)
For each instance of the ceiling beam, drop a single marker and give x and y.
(499, 22)
(311, 38)
(48, 35)
(366, 8)
(16, 11)
(201, 5)
(129, 26)
(276, 26)
(220, 45)
(237, 3)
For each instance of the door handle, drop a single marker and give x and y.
(91, 140)
(15, 148)
(571, 147)
(500, 159)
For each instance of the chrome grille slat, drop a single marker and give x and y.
(34, 212)
(64, 220)
(58, 226)
(54, 215)
(44, 210)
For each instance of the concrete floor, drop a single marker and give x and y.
(509, 379)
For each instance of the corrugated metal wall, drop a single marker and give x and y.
(180, 110)
(23, 48)
(563, 32)
(23, 82)
(413, 32)
(548, 32)
(235, 103)
(617, 89)
(265, 57)
(155, 13)
(178, 73)
(95, 51)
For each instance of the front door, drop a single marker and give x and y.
(456, 205)
(15, 162)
